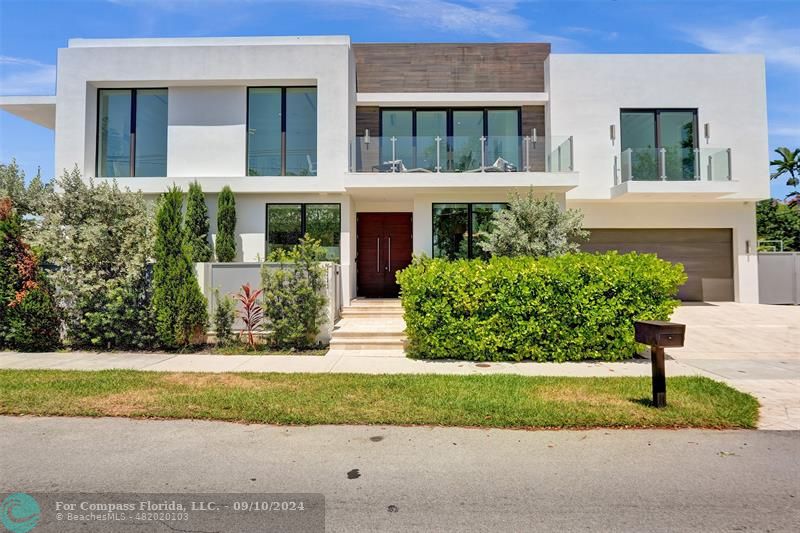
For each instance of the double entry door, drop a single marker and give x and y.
(384, 247)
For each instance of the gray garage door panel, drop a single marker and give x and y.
(706, 255)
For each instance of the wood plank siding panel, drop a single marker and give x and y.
(706, 255)
(368, 118)
(437, 67)
(533, 117)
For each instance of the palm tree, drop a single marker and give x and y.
(789, 163)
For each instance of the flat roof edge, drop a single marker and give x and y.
(212, 41)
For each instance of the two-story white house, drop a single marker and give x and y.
(387, 150)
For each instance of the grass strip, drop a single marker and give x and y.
(496, 401)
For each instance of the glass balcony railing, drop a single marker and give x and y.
(675, 164)
(462, 154)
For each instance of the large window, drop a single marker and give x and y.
(282, 131)
(131, 132)
(459, 228)
(408, 139)
(657, 137)
(287, 223)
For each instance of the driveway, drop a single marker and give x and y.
(754, 348)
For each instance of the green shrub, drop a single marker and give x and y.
(178, 304)
(196, 226)
(29, 318)
(226, 226)
(100, 238)
(566, 308)
(224, 315)
(294, 299)
(34, 322)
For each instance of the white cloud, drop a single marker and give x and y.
(785, 131)
(495, 19)
(20, 75)
(778, 44)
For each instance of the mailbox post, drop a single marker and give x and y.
(659, 335)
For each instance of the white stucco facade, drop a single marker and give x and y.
(207, 82)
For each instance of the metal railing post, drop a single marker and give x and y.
(438, 167)
(394, 153)
(483, 153)
(526, 142)
(571, 154)
(697, 164)
(662, 163)
(710, 168)
(730, 167)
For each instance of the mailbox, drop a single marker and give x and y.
(660, 333)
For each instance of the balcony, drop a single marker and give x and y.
(439, 162)
(673, 173)
(462, 154)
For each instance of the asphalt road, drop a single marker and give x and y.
(430, 479)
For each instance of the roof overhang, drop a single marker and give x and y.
(40, 110)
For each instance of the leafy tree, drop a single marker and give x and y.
(178, 304)
(294, 300)
(534, 227)
(28, 200)
(226, 226)
(788, 165)
(100, 240)
(197, 225)
(29, 319)
(778, 221)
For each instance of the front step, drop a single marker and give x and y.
(370, 324)
(372, 342)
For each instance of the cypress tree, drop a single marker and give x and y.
(178, 304)
(197, 225)
(226, 226)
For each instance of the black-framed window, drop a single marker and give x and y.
(646, 132)
(460, 129)
(282, 131)
(287, 223)
(131, 132)
(458, 228)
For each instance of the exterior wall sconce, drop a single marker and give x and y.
(533, 137)
(612, 133)
(707, 131)
(366, 137)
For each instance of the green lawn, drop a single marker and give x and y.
(501, 401)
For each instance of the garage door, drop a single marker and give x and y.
(706, 255)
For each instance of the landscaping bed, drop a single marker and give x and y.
(500, 401)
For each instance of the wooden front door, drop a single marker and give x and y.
(384, 247)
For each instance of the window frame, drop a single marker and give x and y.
(132, 132)
(657, 122)
(303, 224)
(470, 229)
(283, 127)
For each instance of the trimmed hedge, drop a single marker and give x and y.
(567, 308)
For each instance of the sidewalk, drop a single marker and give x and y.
(336, 361)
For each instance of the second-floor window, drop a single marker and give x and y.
(131, 132)
(660, 141)
(282, 131)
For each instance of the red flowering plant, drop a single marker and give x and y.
(28, 315)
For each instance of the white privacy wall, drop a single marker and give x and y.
(207, 80)
(729, 92)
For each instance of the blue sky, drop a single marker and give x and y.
(32, 30)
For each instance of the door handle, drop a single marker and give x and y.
(389, 265)
(378, 261)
